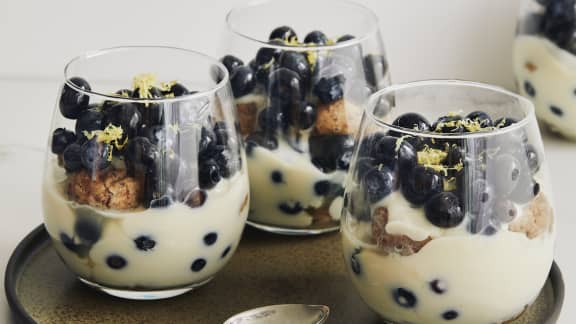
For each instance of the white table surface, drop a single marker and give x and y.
(25, 116)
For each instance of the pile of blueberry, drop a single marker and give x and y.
(148, 143)
(557, 22)
(483, 178)
(294, 88)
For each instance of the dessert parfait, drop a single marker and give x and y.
(298, 91)
(145, 192)
(545, 61)
(447, 215)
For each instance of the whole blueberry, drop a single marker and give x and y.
(316, 37)
(413, 121)
(421, 184)
(329, 89)
(153, 93)
(529, 89)
(450, 315)
(89, 120)
(242, 81)
(207, 145)
(72, 101)
(266, 55)
(559, 22)
(144, 243)
(276, 176)
(88, 226)
(375, 69)
(404, 298)
(61, 138)
(326, 150)
(208, 174)
(116, 262)
(72, 157)
(407, 157)
(222, 133)
(285, 87)
(176, 89)
(454, 156)
(95, 155)
(284, 33)
(266, 141)
(198, 265)
(344, 160)
(272, 119)
(481, 117)
(448, 125)
(532, 158)
(383, 150)
(438, 286)
(210, 238)
(141, 150)
(228, 164)
(444, 210)
(231, 62)
(377, 184)
(304, 116)
(127, 116)
(297, 62)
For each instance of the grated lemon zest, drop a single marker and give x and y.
(110, 135)
(144, 82)
(167, 86)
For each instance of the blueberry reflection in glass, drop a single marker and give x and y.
(298, 88)
(544, 62)
(447, 205)
(145, 191)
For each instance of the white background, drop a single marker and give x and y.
(465, 39)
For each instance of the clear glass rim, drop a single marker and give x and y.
(92, 54)
(527, 107)
(265, 43)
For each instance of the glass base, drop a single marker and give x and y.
(293, 231)
(143, 294)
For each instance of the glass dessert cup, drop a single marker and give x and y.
(449, 221)
(298, 88)
(145, 189)
(545, 62)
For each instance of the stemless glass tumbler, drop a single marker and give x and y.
(447, 212)
(300, 70)
(145, 191)
(545, 61)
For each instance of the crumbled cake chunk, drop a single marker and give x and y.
(112, 189)
(248, 115)
(332, 118)
(389, 243)
(536, 219)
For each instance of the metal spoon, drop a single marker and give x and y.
(282, 314)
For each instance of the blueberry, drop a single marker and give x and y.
(413, 121)
(354, 263)
(116, 262)
(375, 69)
(481, 117)
(316, 37)
(505, 173)
(444, 210)
(529, 89)
(454, 155)
(504, 122)
(326, 150)
(344, 160)
(176, 89)
(72, 102)
(140, 150)
(209, 174)
(196, 198)
(271, 119)
(89, 120)
(159, 135)
(377, 184)
(407, 157)
(231, 63)
(228, 164)
(532, 158)
(438, 286)
(68, 242)
(265, 56)
(207, 145)
(161, 202)
(329, 90)
(95, 155)
(210, 238)
(448, 125)
(277, 176)
(284, 33)
(297, 62)
(285, 87)
(556, 111)
(242, 81)
(153, 93)
(363, 165)
(144, 243)
(259, 139)
(450, 315)
(198, 265)
(304, 117)
(322, 187)
(261, 72)
(225, 252)
(290, 208)
(88, 227)
(72, 157)
(404, 298)
(344, 38)
(381, 148)
(61, 138)
(221, 133)
(559, 22)
(127, 116)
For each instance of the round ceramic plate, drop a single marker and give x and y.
(266, 269)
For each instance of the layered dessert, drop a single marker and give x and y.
(140, 196)
(441, 230)
(298, 104)
(545, 62)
